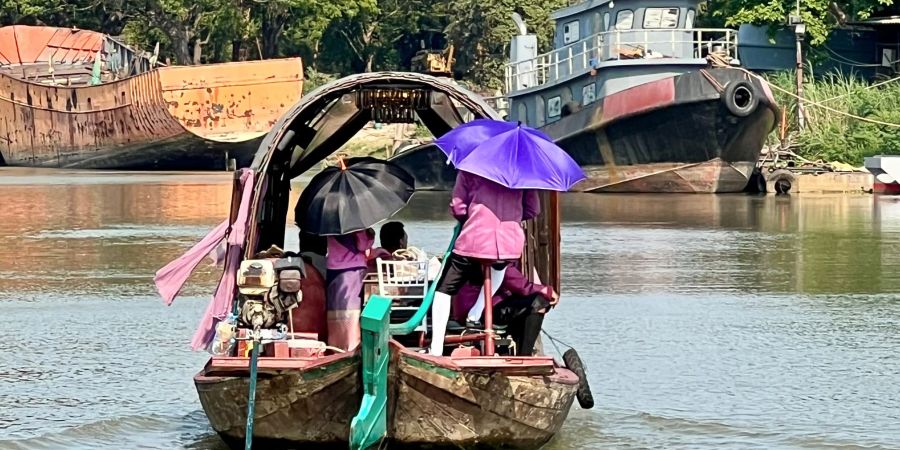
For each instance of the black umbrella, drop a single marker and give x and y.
(353, 197)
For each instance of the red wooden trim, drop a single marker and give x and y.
(239, 364)
(510, 366)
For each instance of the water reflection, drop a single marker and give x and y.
(724, 321)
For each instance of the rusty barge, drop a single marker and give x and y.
(81, 99)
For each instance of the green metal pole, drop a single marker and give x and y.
(251, 403)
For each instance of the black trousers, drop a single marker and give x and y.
(462, 270)
(522, 316)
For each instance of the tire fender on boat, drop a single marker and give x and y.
(741, 98)
(573, 363)
(780, 181)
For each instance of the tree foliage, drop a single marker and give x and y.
(335, 36)
(820, 16)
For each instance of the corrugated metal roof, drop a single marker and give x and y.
(21, 44)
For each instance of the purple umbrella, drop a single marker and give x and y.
(514, 155)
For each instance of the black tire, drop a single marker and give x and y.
(573, 363)
(780, 182)
(741, 98)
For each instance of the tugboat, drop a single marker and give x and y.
(641, 99)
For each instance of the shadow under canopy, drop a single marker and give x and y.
(328, 117)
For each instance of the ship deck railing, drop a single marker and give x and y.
(591, 52)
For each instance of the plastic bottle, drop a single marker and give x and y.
(223, 342)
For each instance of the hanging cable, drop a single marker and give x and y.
(820, 105)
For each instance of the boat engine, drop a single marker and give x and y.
(268, 289)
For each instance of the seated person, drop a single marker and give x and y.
(346, 270)
(518, 303)
(393, 237)
(313, 248)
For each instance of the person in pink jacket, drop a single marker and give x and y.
(491, 216)
(346, 262)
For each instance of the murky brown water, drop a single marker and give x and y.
(706, 321)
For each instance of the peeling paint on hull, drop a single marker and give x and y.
(172, 118)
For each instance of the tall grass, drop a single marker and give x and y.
(835, 137)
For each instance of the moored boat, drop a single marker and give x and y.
(305, 390)
(641, 99)
(81, 99)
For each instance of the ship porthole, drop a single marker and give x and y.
(740, 98)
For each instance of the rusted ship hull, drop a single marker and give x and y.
(672, 135)
(171, 118)
(432, 403)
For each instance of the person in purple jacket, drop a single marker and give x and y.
(345, 261)
(491, 216)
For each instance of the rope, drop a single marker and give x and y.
(847, 61)
(554, 341)
(713, 81)
(820, 105)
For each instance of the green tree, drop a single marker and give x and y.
(481, 31)
(820, 16)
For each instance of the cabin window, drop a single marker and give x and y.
(587, 94)
(539, 111)
(661, 18)
(605, 21)
(554, 107)
(624, 19)
(598, 23)
(689, 21)
(570, 32)
(522, 112)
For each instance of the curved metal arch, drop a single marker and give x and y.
(272, 162)
(323, 95)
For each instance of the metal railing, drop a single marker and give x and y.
(616, 45)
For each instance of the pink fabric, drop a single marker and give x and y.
(350, 256)
(171, 278)
(493, 214)
(514, 283)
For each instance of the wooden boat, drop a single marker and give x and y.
(310, 399)
(166, 118)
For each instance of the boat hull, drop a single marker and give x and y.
(172, 118)
(438, 406)
(673, 134)
(311, 407)
(432, 403)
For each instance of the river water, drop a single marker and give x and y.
(727, 321)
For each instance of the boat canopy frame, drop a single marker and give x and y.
(328, 117)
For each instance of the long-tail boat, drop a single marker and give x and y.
(307, 395)
(80, 99)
